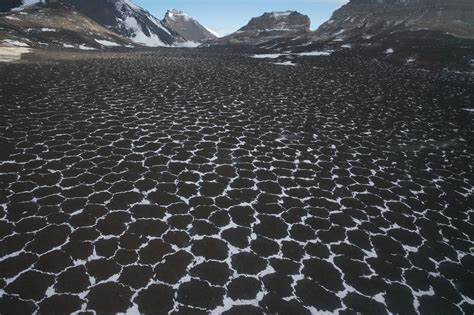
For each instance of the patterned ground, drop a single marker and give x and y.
(190, 182)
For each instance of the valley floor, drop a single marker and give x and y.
(205, 181)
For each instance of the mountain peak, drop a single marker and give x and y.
(174, 12)
(280, 14)
(270, 26)
(186, 27)
(283, 20)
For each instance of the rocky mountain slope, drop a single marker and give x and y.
(268, 27)
(131, 21)
(367, 18)
(186, 27)
(127, 19)
(430, 33)
(56, 26)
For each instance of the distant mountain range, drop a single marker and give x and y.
(356, 19)
(405, 30)
(361, 19)
(133, 22)
(269, 26)
(435, 33)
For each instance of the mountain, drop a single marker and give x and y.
(131, 21)
(186, 27)
(55, 26)
(436, 34)
(268, 27)
(367, 18)
(127, 19)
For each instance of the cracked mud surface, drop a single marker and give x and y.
(191, 182)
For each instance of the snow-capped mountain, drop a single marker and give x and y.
(268, 27)
(131, 21)
(368, 18)
(127, 19)
(186, 27)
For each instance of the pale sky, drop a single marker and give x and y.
(227, 16)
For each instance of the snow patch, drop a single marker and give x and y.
(471, 110)
(278, 29)
(389, 51)
(315, 53)
(187, 45)
(140, 37)
(9, 54)
(285, 63)
(15, 43)
(265, 56)
(310, 53)
(107, 43)
(280, 14)
(84, 47)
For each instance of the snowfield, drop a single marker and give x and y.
(107, 43)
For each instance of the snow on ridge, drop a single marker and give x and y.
(173, 13)
(212, 31)
(26, 3)
(278, 14)
(278, 29)
(132, 5)
(158, 23)
(139, 37)
(127, 7)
